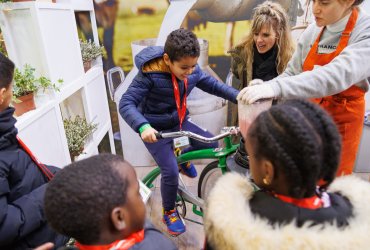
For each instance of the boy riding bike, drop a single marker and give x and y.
(156, 100)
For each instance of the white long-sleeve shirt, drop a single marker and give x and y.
(351, 66)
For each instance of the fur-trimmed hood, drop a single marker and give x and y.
(230, 224)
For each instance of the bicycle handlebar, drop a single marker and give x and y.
(226, 131)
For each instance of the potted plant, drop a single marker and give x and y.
(46, 89)
(89, 51)
(77, 132)
(2, 44)
(25, 85)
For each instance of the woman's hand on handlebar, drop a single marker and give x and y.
(149, 135)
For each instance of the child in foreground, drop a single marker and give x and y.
(23, 181)
(294, 151)
(97, 202)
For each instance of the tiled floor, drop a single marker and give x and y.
(193, 238)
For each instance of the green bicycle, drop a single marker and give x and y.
(208, 175)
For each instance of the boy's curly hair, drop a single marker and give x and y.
(6, 71)
(181, 43)
(80, 198)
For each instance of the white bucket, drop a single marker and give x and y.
(247, 113)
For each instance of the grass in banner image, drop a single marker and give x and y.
(120, 22)
(123, 21)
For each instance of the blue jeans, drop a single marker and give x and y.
(162, 152)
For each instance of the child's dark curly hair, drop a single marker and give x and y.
(6, 71)
(181, 43)
(302, 142)
(82, 195)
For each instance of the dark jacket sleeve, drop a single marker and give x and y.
(22, 216)
(128, 105)
(211, 85)
(154, 240)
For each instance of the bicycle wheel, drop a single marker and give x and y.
(208, 178)
(180, 205)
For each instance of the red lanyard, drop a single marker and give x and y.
(117, 245)
(313, 202)
(49, 175)
(181, 108)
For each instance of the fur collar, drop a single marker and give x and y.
(156, 65)
(230, 224)
(244, 70)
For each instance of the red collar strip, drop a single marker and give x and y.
(116, 245)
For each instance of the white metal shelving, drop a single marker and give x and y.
(45, 36)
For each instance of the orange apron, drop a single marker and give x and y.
(346, 108)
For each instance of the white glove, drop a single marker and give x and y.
(253, 82)
(253, 93)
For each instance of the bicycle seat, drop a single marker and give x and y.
(238, 162)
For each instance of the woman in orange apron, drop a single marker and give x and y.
(331, 67)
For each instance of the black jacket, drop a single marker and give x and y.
(278, 212)
(153, 240)
(22, 186)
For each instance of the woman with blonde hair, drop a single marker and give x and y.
(268, 40)
(264, 54)
(266, 50)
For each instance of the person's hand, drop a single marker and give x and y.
(255, 82)
(46, 246)
(251, 83)
(148, 135)
(254, 93)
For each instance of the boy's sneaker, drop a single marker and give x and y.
(186, 168)
(174, 223)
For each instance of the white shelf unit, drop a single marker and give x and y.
(45, 36)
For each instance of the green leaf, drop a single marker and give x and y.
(90, 51)
(77, 131)
(25, 82)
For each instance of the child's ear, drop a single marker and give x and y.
(2, 93)
(118, 218)
(166, 59)
(269, 171)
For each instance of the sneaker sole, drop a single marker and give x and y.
(183, 173)
(174, 234)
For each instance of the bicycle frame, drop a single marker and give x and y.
(212, 153)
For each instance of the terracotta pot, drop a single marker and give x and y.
(74, 154)
(27, 103)
(87, 66)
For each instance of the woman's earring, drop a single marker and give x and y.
(265, 181)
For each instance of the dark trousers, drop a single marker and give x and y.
(162, 152)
